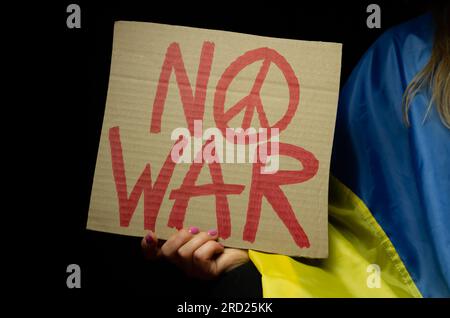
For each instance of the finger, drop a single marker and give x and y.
(187, 250)
(203, 258)
(149, 246)
(170, 248)
(230, 259)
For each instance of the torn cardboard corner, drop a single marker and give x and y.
(166, 161)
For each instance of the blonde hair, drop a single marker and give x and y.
(434, 78)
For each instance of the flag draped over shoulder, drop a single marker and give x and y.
(389, 199)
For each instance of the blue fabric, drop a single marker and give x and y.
(402, 174)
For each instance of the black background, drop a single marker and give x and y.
(78, 81)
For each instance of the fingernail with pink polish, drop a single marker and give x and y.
(212, 232)
(149, 239)
(193, 230)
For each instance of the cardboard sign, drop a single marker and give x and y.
(217, 130)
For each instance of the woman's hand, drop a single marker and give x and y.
(197, 253)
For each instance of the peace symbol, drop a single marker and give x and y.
(253, 99)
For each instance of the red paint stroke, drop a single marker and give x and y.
(193, 106)
(153, 196)
(253, 100)
(218, 188)
(268, 185)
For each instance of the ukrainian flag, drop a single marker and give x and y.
(389, 201)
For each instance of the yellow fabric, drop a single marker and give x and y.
(356, 241)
